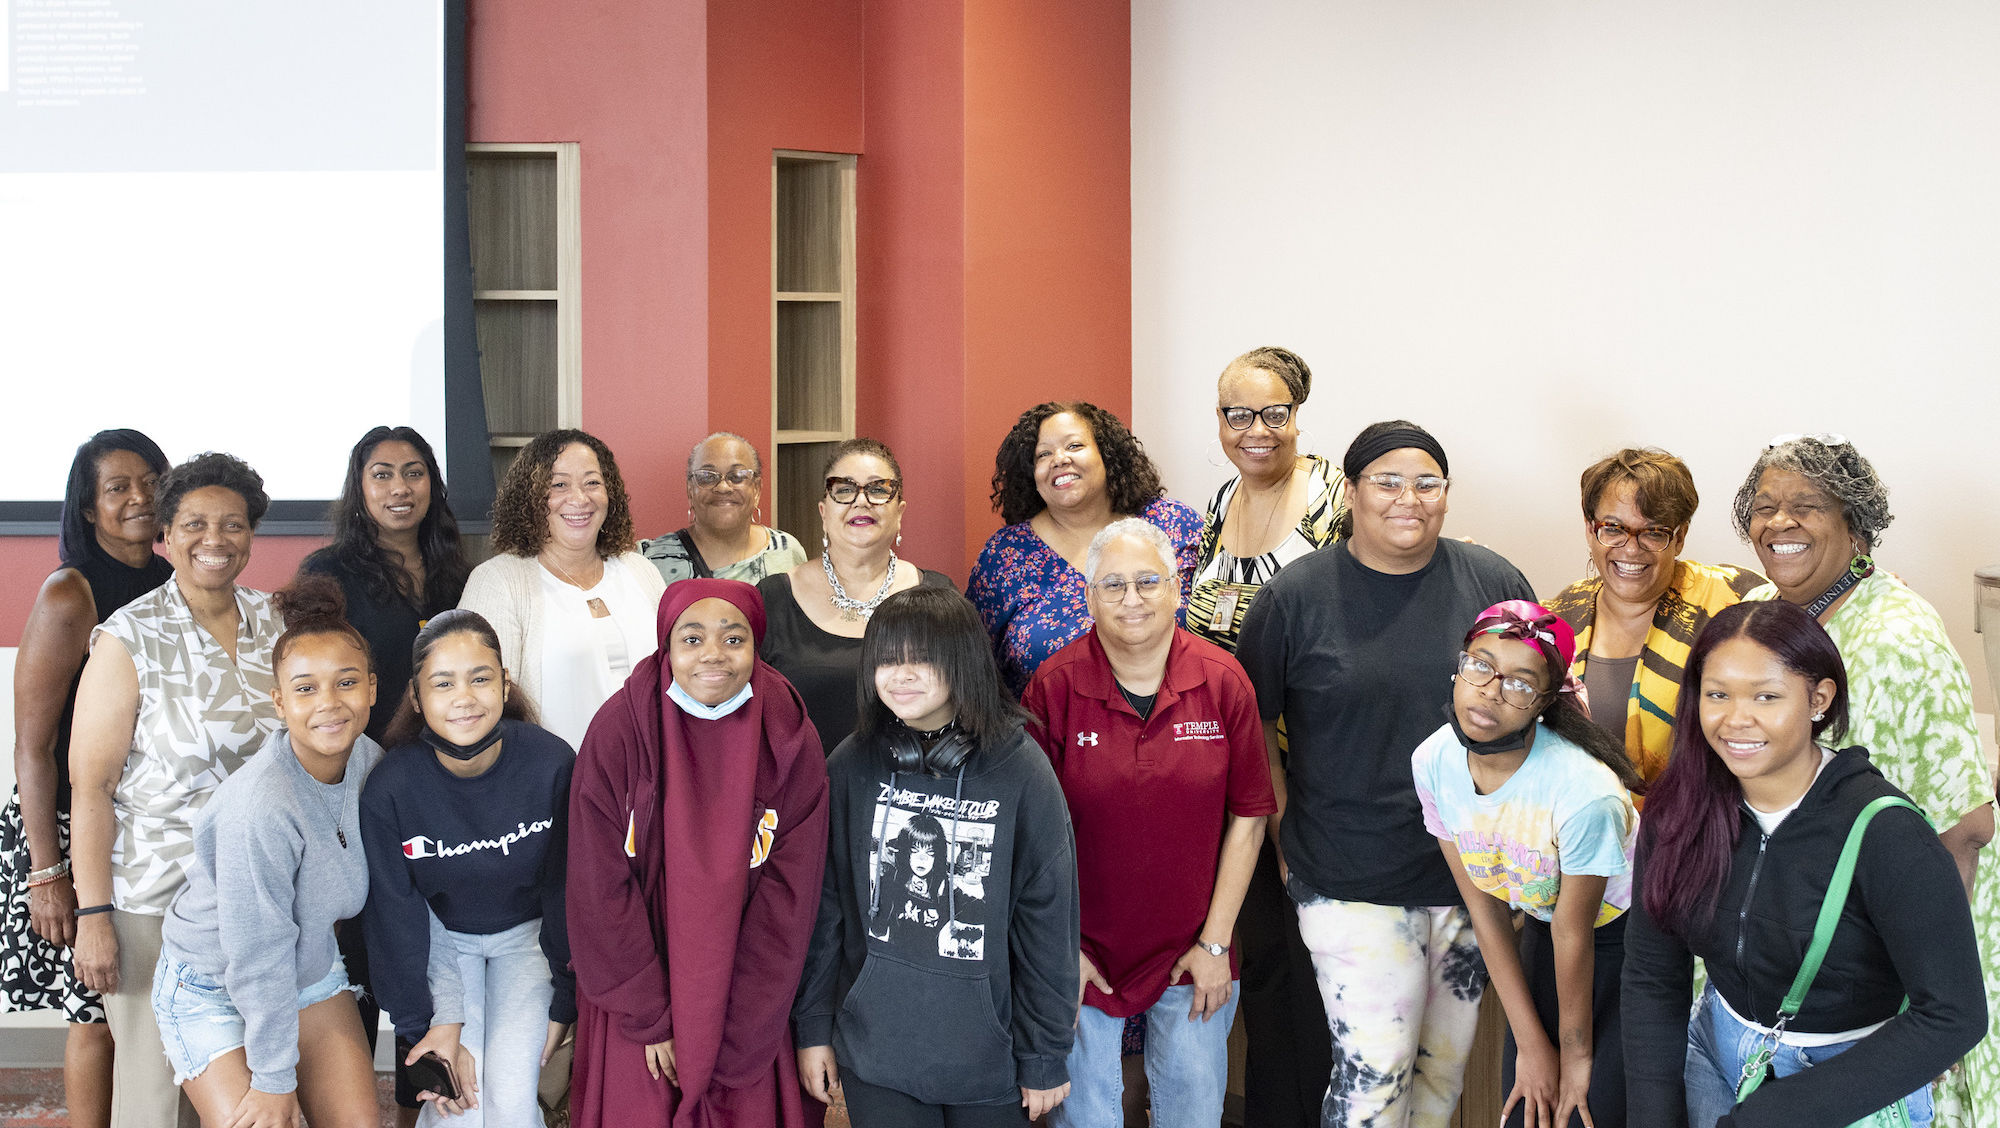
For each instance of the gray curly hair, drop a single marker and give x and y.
(1838, 471)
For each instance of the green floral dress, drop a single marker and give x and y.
(1910, 705)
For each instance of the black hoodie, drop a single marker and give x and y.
(1906, 929)
(943, 964)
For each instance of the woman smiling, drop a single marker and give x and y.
(572, 603)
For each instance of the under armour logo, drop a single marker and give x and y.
(1084, 738)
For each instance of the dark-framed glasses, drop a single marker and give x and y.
(1274, 416)
(1112, 589)
(1429, 487)
(881, 491)
(739, 477)
(1474, 670)
(1652, 538)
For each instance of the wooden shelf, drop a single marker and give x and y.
(509, 440)
(516, 295)
(812, 328)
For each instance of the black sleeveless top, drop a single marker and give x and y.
(113, 584)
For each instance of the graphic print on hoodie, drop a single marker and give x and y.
(930, 857)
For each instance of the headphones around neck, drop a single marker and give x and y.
(907, 754)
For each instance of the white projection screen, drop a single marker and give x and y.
(223, 222)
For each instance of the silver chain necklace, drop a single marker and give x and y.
(851, 608)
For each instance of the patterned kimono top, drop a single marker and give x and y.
(1909, 702)
(1031, 599)
(200, 717)
(1225, 584)
(1698, 591)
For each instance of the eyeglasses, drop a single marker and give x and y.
(1652, 538)
(881, 491)
(739, 477)
(1274, 416)
(1825, 438)
(1148, 584)
(1475, 671)
(1429, 487)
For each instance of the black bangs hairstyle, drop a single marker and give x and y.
(314, 605)
(938, 627)
(445, 566)
(76, 534)
(404, 726)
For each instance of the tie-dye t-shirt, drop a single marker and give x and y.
(1562, 812)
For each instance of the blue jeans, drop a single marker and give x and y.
(1187, 1065)
(1718, 1045)
(507, 991)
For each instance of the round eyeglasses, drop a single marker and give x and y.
(1112, 588)
(1474, 670)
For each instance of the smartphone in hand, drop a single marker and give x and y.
(432, 1074)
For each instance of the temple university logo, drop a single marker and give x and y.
(1084, 738)
(767, 832)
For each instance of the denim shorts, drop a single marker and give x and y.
(197, 1021)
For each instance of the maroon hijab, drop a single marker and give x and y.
(667, 811)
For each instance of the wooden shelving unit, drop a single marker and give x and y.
(812, 328)
(523, 203)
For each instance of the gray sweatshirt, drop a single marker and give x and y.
(269, 880)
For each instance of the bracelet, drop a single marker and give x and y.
(93, 910)
(44, 876)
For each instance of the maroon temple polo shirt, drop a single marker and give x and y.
(1148, 801)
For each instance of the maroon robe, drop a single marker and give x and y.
(675, 933)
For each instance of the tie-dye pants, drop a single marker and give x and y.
(1401, 988)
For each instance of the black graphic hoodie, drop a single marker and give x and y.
(943, 963)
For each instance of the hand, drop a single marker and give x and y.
(1210, 977)
(1535, 1082)
(1573, 1090)
(557, 1032)
(818, 1073)
(96, 953)
(442, 1040)
(52, 911)
(660, 1062)
(1087, 974)
(265, 1110)
(1039, 1101)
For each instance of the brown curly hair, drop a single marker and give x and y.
(1665, 489)
(1129, 474)
(521, 509)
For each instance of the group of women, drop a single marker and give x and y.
(511, 804)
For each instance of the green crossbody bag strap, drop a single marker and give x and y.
(1836, 899)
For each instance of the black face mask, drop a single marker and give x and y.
(461, 751)
(1512, 742)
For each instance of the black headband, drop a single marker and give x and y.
(1367, 447)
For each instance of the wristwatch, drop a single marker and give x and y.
(1211, 949)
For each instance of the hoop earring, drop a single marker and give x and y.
(1218, 459)
(899, 540)
(1305, 441)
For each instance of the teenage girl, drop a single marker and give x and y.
(1531, 804)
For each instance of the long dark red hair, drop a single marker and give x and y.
(1691, 823)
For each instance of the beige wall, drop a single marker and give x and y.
(1546, 230)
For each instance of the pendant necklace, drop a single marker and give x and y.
(596, 605)
(852, 609)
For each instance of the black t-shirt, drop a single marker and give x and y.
(1359, 663)
(390, 626)
(821, 666)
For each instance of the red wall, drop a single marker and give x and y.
(994, 225)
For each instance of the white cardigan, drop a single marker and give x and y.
(507, 590)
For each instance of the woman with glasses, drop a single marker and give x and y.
(1061, 475)
(1814, 509)
(819, 610)
(1355, 647)
(1281, 506)
(572, 603)
(722, 538)
(1638, 612)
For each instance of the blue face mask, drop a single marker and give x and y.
(695, 708)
